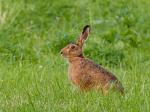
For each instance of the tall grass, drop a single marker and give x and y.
(33, 76)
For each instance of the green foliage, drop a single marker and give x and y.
(105, 54)
(59, 42)
(32, 73)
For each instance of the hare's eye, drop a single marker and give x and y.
(72, 47)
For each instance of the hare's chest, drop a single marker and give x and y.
(75, 74)
(80, 77)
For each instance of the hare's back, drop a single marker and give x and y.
(98, 71)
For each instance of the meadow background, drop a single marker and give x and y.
(33, 75)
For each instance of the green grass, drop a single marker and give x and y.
(33, 75)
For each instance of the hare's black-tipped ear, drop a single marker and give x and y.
(83, 36)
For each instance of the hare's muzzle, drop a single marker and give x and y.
(61, 52)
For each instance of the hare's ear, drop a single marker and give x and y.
(83, 36)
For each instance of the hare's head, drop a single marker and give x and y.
(75, 50)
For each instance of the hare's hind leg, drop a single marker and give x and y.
(104, 91)
(119, 87)
(105, 88)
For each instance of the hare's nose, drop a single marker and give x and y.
(61, 52)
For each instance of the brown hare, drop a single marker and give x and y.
(83, 72)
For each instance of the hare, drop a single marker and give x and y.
(83, 72)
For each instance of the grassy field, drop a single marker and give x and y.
(33, 75)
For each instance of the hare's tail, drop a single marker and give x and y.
(119, 87)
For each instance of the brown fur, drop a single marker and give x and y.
(83, 72)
